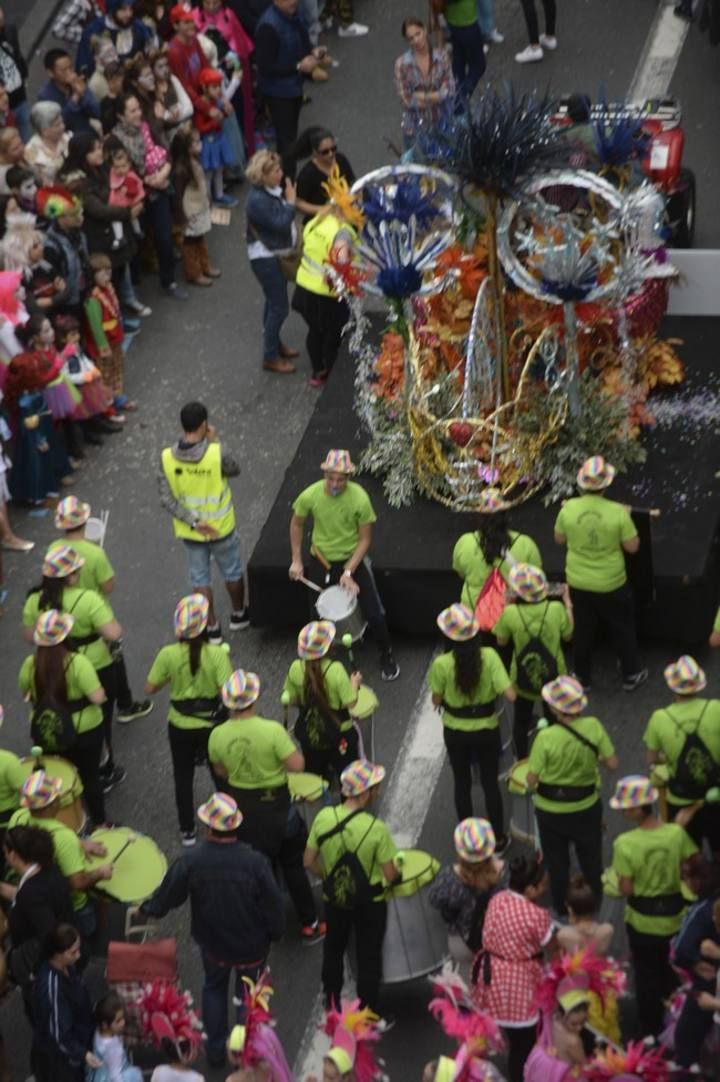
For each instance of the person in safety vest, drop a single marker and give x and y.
(194, 489)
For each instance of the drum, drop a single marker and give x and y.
(363, 714)
(416, 935)
(307, 792)
(139, 869)
(522, 814)
(71, 811)
(342, 608)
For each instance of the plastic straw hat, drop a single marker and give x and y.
(565, 694)
(71, 513)
(61, 562)
(360, 776)
(684, 676)
(474, 840)
(528, 582)
(220, 812)
(490, 502)
(191, 616)
(633, 791)
(338, 461)
(595, 474)
(39, 790)
(458, 623)
(52, 627)
(315, 639)
(241, 690)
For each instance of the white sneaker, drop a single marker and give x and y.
(354, 30)
(548, 42)
(496, 38)
(530, 55)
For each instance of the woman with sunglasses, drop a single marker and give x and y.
(320, 145)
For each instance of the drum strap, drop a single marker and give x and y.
(666, 905)
(565, 794)
(467, 713)
(205, 709)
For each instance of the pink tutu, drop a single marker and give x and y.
(62, 399)
(96, 398)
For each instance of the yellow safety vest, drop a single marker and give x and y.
(318, 237)
(201, 488)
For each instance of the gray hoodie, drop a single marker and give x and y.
(190, 452)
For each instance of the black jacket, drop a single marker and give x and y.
(63, 1018)
(12, 65)
(42, 903)
(93, 187)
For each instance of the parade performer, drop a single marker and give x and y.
(343, 517)
(563, 769)
(476, 1033)
(253, 1047)
(465, 683)
(196, 671)
(639, 1062)
(12, 777)
(354, 1031)
(354, 853)
(174, 1028)
(648, 861)
(585, 932)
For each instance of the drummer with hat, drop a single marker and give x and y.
(648, 862)
(686, 736)
(343, 518)
(597, 533)
(563, 771)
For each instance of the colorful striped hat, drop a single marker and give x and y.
(241, 690)
(474, 840)
(61, 562)
(360, 776)
(633, 791)
(684, 676)
(191, 616)
(71, 513)
(595, 474)
(52, 627)
(528, 582)
(315, 639)
(220, 812)
(565, 694)
(39, 790)
(458, 623)
(337, 461)
(491, 501)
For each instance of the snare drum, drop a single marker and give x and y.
(522, 815)
(341, 607)
(306, 791)
(364, 711)
(367, 703)
(70, 810)
(416, 936)
(140, 869)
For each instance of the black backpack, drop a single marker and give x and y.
(536, 665)
(346, 885)
(51, 725)
(318, 727)
(696, 770)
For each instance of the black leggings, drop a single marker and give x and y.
(481, 747)
(531, 20)
(522, 724)
(85, 755)
(188, 748)
(331, 761)
(108, 678)
(520, 1044)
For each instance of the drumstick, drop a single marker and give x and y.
(312, 585)
(132, 837)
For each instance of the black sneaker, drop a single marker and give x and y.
(240, 620)
(215, 635)
(390, 670)
(134, 710)
(110, 778)
(188, 838)
(630, 683)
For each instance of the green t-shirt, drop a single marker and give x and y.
(81, 679)
(69, 853)
(716, 625)
(493, 681)
(172, 663)
(469, 563)
(559, 758)
(96, 570)
(340, 692)
(461, 12)
(520, 623)
(253, 751)
(652, 859)
(90, 611)
(336, 519)
(595, 528)
(365, 835)
(667, 734)
(12, 778)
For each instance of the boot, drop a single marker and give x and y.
(192, 261)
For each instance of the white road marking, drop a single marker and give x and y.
(660, 55)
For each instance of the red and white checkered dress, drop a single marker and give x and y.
(514, 934)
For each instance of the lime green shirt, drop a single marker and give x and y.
(472, 567)
(716, 625)
(69, 853)
(90, 611)
(12, 778)
(365, 835)
(558, 758)
(666, 734)
(172, 664)
(493, 681)
(253, 751)
(595, 528)
(340, 692)
(96, 570)
(652, 859)
(81, 679)
(336, 519)
(461, 12)
(520, 623)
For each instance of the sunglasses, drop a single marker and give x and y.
(328, 150)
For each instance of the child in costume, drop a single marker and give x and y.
(169, 1021)
(476, 1033)
(61, 397)
(584, 931)
(254, 1048)
(108, 1043)
(126, 190)
(22, 250)
(227, 62)
(105, 336)
(639, 1062)
(192, 207)
(12, 314)
(353, 1032)
(85, 376)
(216, 152)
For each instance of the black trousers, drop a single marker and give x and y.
(693, 1025)
(705, 823)
(332, 762)
(614, 611)
(368, 599)
(368, 922)
(482, 747)
(520, 1044)
(85, 755)
(290, 862)
(108, 679)
(325, 317)
(583, 830)
(285, 114)
(522, 724)
(123, 694)
(158, 216)
(654, 978)
(188, 748)
(531, 19)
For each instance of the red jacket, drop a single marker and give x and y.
(186, 62)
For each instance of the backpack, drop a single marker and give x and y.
(490, 604)
(317, 727)
(52, 727)
(535, 663)
(696, 770)
(347, 885)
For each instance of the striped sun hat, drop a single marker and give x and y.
(61, 562)
(241, 690)
(191, 616)
(39, 790)
(220, 812)
(633, 791)
(595, 474)
(360, 776)
(684, 676)
(52, 627)
(458, 623)
(315, 639)
(474, 840)
(71, 513)
(491, 501)
(528, 582)
(337, 461)
(565, 694)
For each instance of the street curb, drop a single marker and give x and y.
(37, 25)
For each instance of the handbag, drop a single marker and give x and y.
(290, 261)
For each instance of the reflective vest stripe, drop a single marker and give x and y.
(201, 488)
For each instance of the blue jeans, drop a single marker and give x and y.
(226, 554)
(275, 312)
(486, 17)
(468, 57)
(215, 1005)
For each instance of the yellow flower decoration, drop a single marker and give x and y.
(338, 189)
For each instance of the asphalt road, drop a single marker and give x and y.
(210, 348)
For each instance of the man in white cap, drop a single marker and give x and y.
(343, 518)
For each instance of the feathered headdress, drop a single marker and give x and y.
(339, 191)
(570, 979)
(256, 1041)
(353, 1031)
(638, 1061)
(54, 201)
(167, 1014)
(476, 1033)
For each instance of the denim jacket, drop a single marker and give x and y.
(269, 219)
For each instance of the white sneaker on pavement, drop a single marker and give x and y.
(548, 42)
(530, 54)
(354, 30)
(496, 38)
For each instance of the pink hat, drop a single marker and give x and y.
(595, 474)
(633, 791)
(458, 623)
(685, 677)
(360, 776)
(241, 690)
(315, 639)
(191, 616)
(565, 694)
(61, 562)
(220, 812)
(337, 461)
(474, 840)
(71, 513)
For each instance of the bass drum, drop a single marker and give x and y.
(522, 815)
(416, 936)
(339, 606)
(70, 806)
(139, 867)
